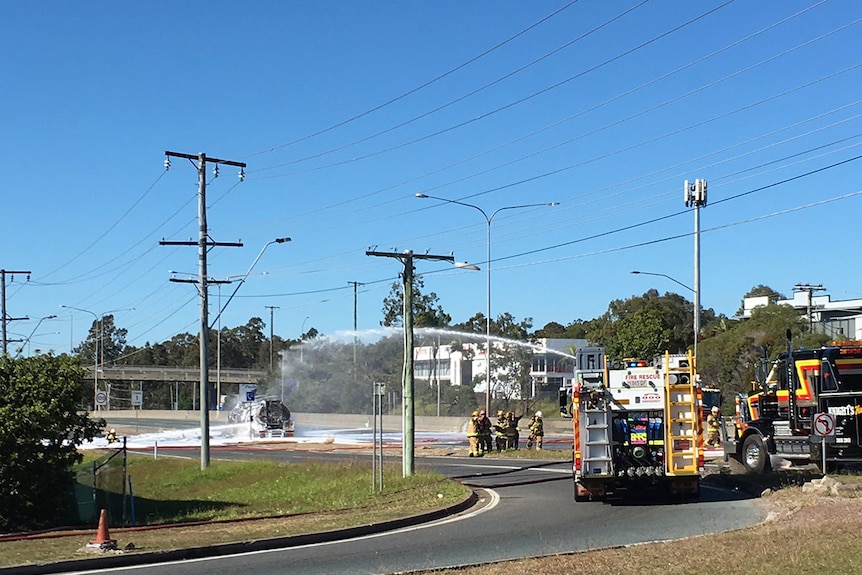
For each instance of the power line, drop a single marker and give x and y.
(421, 86)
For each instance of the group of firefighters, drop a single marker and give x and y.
(506, 431)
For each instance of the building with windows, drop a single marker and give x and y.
(840, 319)
(553, 365)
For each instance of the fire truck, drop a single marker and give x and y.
(637, 427)
(819, 423)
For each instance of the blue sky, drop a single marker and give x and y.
(343, 111)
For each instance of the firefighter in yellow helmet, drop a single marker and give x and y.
(713, 427)
(537, 431)
(501, 426)
(513, 433)
(111, 436)
(473, 434)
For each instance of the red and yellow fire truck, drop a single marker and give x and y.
(636, 426)
(819, 423)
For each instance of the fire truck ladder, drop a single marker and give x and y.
(596, 452)
(682, 418)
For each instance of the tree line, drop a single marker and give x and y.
(335, 376)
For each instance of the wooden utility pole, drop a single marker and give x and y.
(6, 318)
(809, 289)
(203, 282)
(409, 409)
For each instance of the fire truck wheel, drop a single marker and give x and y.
(754, 455)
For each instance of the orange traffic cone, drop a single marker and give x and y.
(103, 540)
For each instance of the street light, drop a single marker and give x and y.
(664, 276)
(97, 344)
(203, 283)
(696, 311)
(27, 341)
(488, 220)
(95, 354)
(245, 277)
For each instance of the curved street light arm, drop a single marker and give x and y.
(676, 281)
(245, 276)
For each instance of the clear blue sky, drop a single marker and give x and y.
(343, 111)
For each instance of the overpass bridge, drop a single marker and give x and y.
(141, 373)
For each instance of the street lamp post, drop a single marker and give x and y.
(203, 282)
(488, 220)
(34, 331)
(696, 311)
(95, 354)
(97, 344)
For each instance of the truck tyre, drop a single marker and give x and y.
(754, 455)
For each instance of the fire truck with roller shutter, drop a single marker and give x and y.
(774, 428)
(637, 426)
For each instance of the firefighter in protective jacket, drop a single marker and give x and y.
(713, 427)
(501, 426)
(484, 433)
(513, 432)
(537, 431)
(473, 434)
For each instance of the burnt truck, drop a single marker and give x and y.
(804, 409)
(266, 417)
(637, 427)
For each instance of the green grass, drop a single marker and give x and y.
(273, 499)
(176, 490)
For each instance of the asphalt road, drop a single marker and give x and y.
(526, 509)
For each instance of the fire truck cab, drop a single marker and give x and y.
(774, 428)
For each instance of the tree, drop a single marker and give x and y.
(728, 359)
(758, 291)
(641, 334)
(427, 311)
(104, 340)
(551, 329)
(40, 431)
(623, 335)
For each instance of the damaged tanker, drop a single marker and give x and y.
(266, 417)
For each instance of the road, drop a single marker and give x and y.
(527, 510)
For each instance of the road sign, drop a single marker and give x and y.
(101, 398)
(824, 425)
(137, 398)
(247, 392)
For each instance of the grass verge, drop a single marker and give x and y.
(249, 500)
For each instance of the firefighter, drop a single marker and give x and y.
(473, 434)
(512, 431)
(537, 431)
(111, 436)
(713, 427)
(484, 433)
(501, 426)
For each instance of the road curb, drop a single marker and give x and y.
(132, 558)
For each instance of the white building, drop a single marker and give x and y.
(840, 319)
(553, 365)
